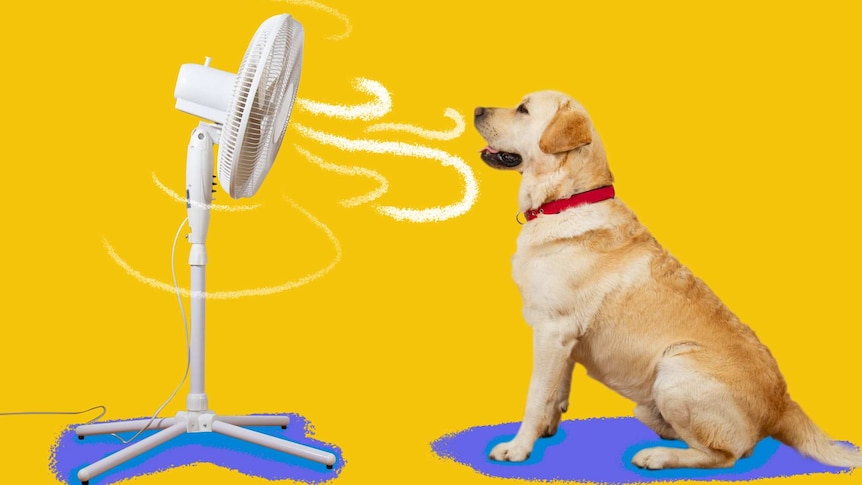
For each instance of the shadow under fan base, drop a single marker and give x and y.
(69, 454)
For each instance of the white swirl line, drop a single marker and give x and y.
(351, 171)
(325, 8)
(435, 214)
(216, 207)
(379, 106)
(450, 113)
(234, 294)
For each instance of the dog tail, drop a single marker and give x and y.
(796, 430)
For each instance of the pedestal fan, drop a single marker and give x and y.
(249, 111)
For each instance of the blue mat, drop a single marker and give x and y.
(70, 454)
(600, 450)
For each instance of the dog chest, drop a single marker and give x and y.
(549, 274)
(554, 281)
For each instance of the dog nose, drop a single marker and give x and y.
(479, 112)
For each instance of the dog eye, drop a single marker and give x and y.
(522, 109)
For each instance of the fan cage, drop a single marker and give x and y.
(260, 107)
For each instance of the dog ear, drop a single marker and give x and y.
(567, 130)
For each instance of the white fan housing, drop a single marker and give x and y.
(253, 107)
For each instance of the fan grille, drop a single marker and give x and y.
(260, 107)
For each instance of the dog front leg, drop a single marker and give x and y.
(561, 401)
(552, 354)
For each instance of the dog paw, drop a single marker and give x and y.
(510, 451)
(652, 458)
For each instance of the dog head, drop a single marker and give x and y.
(550, 140)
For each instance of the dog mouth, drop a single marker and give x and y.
(501, 159)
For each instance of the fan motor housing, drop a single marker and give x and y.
(204, 91)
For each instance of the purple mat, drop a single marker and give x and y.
(600, 450)
(69, 454)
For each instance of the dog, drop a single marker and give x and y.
(599, 290)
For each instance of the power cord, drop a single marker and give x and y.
(31, 413)
(176, 390)
(188, 346)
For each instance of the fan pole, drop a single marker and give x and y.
(199, 182)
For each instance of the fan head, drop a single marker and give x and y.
(260, 106)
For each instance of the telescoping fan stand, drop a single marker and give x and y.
(250, 111)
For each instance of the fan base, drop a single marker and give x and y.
(194, 422)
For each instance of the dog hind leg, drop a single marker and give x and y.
(704, 414)
(649, 415)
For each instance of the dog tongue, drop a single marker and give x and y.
(489, 149)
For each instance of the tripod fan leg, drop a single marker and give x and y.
(264, 420)
(278, 444)
(126, 454)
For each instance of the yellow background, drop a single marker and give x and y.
(732, 129)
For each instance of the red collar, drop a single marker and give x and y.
(557, 206)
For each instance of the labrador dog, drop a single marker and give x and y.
(599, 290)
